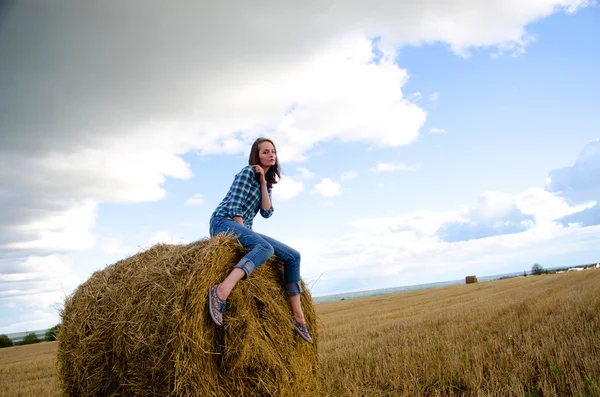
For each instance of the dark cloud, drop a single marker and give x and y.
(580, 183)
(494, 214)
(80, 79)
(587, 217)
(515, 222)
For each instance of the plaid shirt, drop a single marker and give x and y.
(244, 198)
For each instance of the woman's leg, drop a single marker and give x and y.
(226, 286)
(291, 274)
(260, 251)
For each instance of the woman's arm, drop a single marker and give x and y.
(266, 208)
(265, 200)
(239, 191)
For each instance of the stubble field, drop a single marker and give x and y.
(527, 336)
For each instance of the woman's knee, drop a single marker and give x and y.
(295, 256)
(266, 248)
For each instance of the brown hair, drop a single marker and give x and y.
(254, 159)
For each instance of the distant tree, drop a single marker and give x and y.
(5, 341)
(524, 273)
(537, 269)
(30, 339)
(51, 333)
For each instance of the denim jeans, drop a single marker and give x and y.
(261, 248)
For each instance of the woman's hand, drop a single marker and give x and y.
(259, 170)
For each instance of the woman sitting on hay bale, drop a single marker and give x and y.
(249, 194)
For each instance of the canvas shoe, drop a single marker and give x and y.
(302, 329)
(216, 305)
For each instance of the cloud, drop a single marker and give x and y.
(415, 97)
(495, 214)
(65, 226)
(499, 234)
(328, 188)
(49, 203)
(287, 188)
(405, 250)
(113, 246)
(587, 217)
(389, 167)
(547, 208)
(580, 184)
(92, 115)
(108, 115)
(165, 237)
(32, 289)
(581, 181)
(196, 199)
(348, 175)
(304, 173)
(434, 97)
(437, 130)
(499, 213)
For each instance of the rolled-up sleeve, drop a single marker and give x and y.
(267, 214)
(239, 191)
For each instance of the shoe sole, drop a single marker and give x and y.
(210, 303)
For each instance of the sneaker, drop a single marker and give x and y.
(302, 329)
(216, 305)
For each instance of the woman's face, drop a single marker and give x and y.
(266, 154)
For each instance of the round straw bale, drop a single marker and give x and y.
(470, 279)
(141, 327)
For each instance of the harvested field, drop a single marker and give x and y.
(527, 336)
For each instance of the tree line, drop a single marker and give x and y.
(30, 338)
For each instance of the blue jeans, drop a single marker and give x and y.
(261, 248)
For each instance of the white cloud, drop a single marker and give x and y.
(415, 97)
(305, 173)
(196, 199)
(67, 230)
(119, 107)
(498, 213)
(113, 246)
(309, 74)
(545, 206)
(389, 167)
(33, 289)
(435, 130)
(407, 249)
(434, 97)
(165, 237)
(287, 188)
(328, 188)
(348, 175)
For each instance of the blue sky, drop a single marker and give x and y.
(418, 144)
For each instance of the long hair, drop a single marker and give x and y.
(274, 173)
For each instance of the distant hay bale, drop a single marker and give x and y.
(141, 327)
(470, 279)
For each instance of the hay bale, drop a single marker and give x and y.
(141, 327)
(470, 279)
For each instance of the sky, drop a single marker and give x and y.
(419, 141)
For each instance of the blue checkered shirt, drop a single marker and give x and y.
(244, 198)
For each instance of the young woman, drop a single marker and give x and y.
(249, 194)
